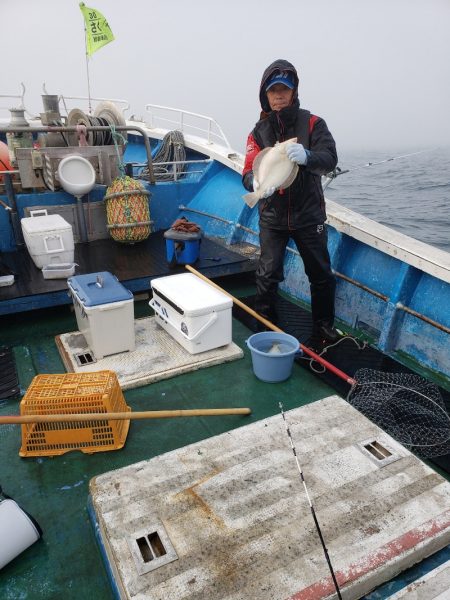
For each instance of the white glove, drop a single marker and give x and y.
(297, 154)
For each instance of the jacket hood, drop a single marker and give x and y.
(278, 65)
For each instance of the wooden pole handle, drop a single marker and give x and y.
(273, 327)
(118, 416)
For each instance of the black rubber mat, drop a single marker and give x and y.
(144, 260)
(9, 384)
(346, 356)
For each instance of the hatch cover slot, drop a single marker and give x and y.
(378, 450)
(381, 453)
(85, 358)
(151, 549)
(151, 546)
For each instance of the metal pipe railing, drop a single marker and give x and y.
(115, 100)
(56, 129)
(22, 102)
(12, 209)
(422, 317)
(181, 122)
(362, 286)
(205, 214)
(350, 280)
(64, 98)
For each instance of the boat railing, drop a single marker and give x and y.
(186, 122)
(20, 97)
(124, 105)
(173, 169)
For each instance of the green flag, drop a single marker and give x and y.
(98, 32)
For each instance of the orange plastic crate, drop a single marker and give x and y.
(73, 393)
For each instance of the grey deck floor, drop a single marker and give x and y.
(235, 524)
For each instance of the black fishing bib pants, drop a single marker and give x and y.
(311, 243)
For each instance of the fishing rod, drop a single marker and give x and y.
(313, 512)
(329, 177)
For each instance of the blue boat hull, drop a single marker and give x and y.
(390, 288)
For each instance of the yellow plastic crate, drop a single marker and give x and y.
(73, 393)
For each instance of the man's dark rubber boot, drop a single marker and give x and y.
(327, 333)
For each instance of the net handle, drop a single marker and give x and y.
(121, 416)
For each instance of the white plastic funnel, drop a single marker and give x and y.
(76, 174)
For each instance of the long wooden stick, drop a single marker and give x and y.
(118, 416)
(273, 327)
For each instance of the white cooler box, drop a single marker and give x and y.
(49, 238)
(105, 313)
(195, 314)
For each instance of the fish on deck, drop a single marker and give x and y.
(271, 168)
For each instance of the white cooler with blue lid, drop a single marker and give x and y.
(105, 313)
(197, 315)
(49, 238)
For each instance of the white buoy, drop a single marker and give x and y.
(17, 531)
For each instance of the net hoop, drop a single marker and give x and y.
(405, 406)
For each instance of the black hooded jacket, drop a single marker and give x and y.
(302, 204)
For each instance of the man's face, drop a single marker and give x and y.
(279, 96)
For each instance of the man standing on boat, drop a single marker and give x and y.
(297, 212)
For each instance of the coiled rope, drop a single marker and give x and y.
(172, 150)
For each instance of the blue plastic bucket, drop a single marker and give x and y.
(273, 355)
(182, 248)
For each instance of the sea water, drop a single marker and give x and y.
(409, 194)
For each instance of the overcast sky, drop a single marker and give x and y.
(376, 70)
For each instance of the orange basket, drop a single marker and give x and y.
(73, 393)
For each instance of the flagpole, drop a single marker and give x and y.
(87, 71)
(98, 34)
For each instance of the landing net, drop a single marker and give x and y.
(405, 406)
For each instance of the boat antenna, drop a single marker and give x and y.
(313, 512)
(338, 171)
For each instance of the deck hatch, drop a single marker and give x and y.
(377, 450)
(151, 549)
(151, 546)
(381, 453)
(84, 358)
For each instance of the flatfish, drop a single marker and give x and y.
(272, 168)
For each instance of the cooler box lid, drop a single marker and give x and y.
(93, 289)
(189, 293)
(45, 224)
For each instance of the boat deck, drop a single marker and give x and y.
(135, 265)
(66, 562)
(234, 522)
